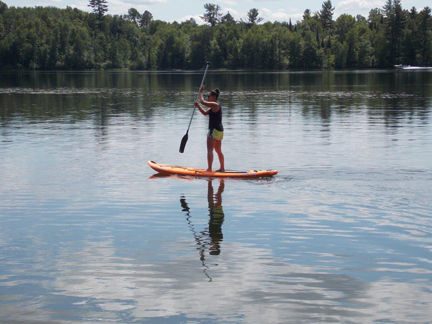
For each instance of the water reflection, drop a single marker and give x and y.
(209, 239)
(217, 216)
(80, 96)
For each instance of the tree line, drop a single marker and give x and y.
(50, 38)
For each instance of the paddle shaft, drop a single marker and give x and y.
(202, 82)
(186, 136)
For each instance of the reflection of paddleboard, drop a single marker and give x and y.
(172, 169)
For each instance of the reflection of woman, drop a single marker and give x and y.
(208, 238)
(216, 216)
(215, 134)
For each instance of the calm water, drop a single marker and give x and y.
(342, 234)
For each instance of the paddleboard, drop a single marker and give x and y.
(173, 169)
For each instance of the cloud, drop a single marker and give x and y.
(229, 2)
(280, 15)
(96, 275)
(355, 7)
(197, 19)
(121, 7)
(233, 12)
(82, 5)
(141, 2)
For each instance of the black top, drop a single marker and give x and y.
(215, 120)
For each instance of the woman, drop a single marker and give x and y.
(215, 134)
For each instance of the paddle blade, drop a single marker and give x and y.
(183, 143)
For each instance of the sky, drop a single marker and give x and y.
(181, 10)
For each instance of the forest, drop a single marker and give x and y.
(49, 38)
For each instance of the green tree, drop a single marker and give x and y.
(394, 21)
(3, 7)
(134, 16)
(365, 51)
(212, 14)
(312, 54)
(200, 40)
(425, 36)
(228, 18)
(326, 15)
(53, 51)
(172, 50)
(79, 55)
(253, 16)
(146, 19)
(410, 41)
(295, 51)
(375, 19)
(344, 23)
(51, 38)
(99, 7)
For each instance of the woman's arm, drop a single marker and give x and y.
(202, 111)
(210, 104)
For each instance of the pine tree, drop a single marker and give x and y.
(394, 22)
(326, 15)
(228, 18)
(425, 33)
(99, 7)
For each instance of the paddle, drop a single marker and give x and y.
(186, 136)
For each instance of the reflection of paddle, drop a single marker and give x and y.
(198, 238)
(186, 136)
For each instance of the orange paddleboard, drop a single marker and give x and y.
(172, 169)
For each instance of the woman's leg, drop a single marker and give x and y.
(210, 146)
(218, 149)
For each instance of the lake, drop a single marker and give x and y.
(343, 233)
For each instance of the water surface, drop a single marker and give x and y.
(341, 234)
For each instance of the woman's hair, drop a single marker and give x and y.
(215, 92)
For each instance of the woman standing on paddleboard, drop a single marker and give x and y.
(215, 134)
